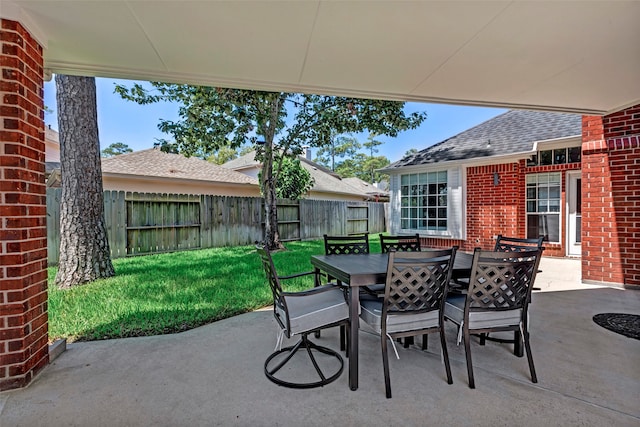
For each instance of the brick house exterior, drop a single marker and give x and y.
(494, 192)
(23, 231)
(610, 168)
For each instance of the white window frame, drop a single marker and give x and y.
(455, 206)
(548, 199)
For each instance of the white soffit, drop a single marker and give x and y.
(566, 56)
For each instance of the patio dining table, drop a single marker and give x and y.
(362, 270)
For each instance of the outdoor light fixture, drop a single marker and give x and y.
(496, 178)
(488, 143)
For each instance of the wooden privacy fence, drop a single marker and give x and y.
(146, 223)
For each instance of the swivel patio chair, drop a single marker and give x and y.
(497, 299)
(413, 303)
(302, 313)
(400, 243)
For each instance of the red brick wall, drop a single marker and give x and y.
(23, 233)
(611, 198)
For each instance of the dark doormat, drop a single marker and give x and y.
(621, 323)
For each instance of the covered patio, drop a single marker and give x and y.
(552, 56)
(213, 375)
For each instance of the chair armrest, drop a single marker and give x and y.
(311, 291)
(293, 276)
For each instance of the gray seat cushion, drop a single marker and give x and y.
(454, 310)
(371, 313)
(308, 312)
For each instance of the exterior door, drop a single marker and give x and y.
(574, 217)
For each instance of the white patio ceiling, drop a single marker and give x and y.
(566, 56)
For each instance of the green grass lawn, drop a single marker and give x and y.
(167, 293)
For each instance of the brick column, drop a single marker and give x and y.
(23, 232)
(611, 198)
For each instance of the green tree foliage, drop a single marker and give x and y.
(411, 152)
(211, 118)
(340, 147)
(115, 149)
(223, 155)
(294, 181)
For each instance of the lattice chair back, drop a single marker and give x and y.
(417, 281)
(513, 244)
(279, 301)
(501, 281)
(400, 243)
(346, 245)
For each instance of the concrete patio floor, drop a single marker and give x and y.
(213, 375)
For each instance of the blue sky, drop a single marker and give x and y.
(137, 125)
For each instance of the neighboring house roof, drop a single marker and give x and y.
(325, 180)
(365, 187)
(156, 163)
(512, 132)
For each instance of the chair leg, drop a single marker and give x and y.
(342, 338)
(445, 354)
(483, 338)
(467, 352)
(385, 365)
(532, 369)
(425, 341)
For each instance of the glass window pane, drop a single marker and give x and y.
(543, 192)
(404, 179)
(531, 206)
(442, 200)
(442, 213)
(431, 224)
(433, 201)
(404, 212)
(554, 192)
(531, 193)
(559, 156)
(442, 188)
(542, 206)
(433, 188)
(533, 160)
(532, 179)
(404, 223)
(442, 176)
(554, 205)
(433, 177)
(532, 226)
(414, 223)
(442, 225)
(575, 154)
(423, 178)
(555, 178)
(432, 213)
(546, 157)
(414, 178)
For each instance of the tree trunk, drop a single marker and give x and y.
(271, 235)
(84, 248)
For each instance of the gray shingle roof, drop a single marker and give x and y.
(512, 132)
(153, 162)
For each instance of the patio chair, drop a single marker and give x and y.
(513, 244)
(404, 244)
(413, 302)
(497, 299)
(346, 245)
(301, 313)
(400, 243)
(357, 244)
